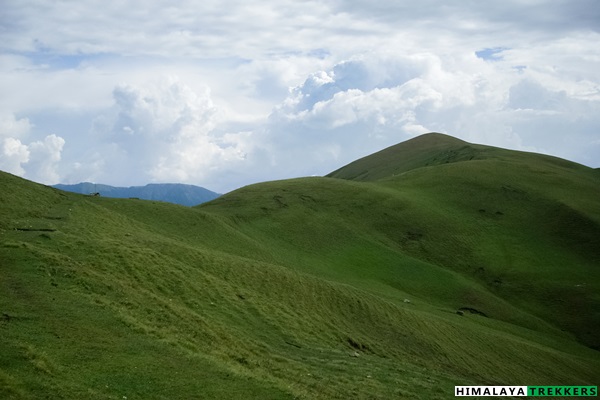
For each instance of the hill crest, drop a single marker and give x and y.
(432, 149)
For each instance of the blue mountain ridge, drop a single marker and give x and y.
(186, 195)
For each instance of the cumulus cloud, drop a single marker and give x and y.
(162, 132)
(44, 158)
(296, 88)
(14, 155)
(270, 79)
(37, 161)
(11, 126)
(365, 104)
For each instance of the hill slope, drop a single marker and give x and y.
(186, 195)
(494, 245)
(306, 288)
(525, 225)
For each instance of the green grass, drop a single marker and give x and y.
(299, 288)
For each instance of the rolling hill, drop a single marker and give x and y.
(430, 264)
(186, 195)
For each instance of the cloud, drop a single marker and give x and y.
(296, 88)
(530, 95)
(37, 161)
(208, 29)
(44, 157)
(361, 105)
(163, 132)
(13, 155)
(271, 79)
(557, 16)
(11, 126)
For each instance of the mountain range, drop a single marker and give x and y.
(186, 195)
(430, 264)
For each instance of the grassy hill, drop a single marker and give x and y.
(309, 288)
(503, 217)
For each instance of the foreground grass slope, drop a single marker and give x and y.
(294, 289)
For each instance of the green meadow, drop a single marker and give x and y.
(430, 264)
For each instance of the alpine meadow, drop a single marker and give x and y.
(430, 264)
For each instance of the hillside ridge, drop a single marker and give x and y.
(429, 150)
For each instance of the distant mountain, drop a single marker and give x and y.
(187, 195)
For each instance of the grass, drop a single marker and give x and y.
(315, 288)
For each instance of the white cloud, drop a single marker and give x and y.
(296, 88)
(37, 161)
(11, 126)
(14, 155)
(206, 29)
(44, 158)
(467, 98)
(163, 132)
(270, 79)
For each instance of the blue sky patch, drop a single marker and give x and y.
(56, 61)
(491, 54)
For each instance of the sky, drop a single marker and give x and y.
(223, 94)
